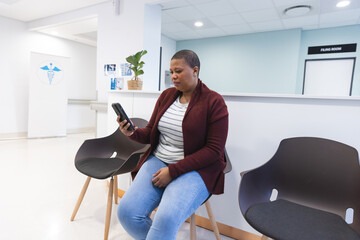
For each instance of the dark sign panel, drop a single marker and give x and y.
(332, 49)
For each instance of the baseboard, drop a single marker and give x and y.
(11, 136)
(80, 130)
(21, 135)
(224, 229)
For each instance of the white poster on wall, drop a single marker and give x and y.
(328, 77)
(47, 95)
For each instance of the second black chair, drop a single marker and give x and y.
(317, 182)
(103, 158)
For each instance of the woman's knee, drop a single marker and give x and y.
(124, 211)
(129, 213)
(167, 221)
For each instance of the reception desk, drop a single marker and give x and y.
(257, 124)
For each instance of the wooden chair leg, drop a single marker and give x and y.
(263, 237)
(81, 197)
(116, 198)
(212, 220)
(192, 227)
(108, 209)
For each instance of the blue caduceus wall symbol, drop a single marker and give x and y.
(50, 71)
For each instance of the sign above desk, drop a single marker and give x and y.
(332, 49)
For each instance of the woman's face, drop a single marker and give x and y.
(184, 77)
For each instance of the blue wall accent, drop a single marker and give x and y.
(252, 63)
(268, 62)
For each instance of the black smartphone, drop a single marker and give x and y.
(120, 112)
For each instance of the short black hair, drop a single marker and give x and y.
(190, 57)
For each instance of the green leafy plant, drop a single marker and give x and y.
(136, 63)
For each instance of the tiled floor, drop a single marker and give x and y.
(39, 188)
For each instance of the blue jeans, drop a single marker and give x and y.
(176, 202)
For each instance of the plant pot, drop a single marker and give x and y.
(135, 84)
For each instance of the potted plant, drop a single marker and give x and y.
(136, 66)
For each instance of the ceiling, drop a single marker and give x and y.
(232, 17)
(220, 17)
(29, 10)
(84, 30)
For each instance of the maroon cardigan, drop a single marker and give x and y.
(205, 128)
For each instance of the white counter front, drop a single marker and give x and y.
(257, 124)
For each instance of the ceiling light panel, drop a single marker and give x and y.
(267, 26)
(167, 18)
(237, 29)
(281, 3)
(335, 24)
(211, 32)
(260, 16)
(175, 27)
(215, 8)
(251, 5)
(225, 20)
(173, 36)
(188, 35)
(202, 1)
(174, 4)
(185, 13)
(299, 22)
(350, 16)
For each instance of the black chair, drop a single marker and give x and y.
(317, 181)
(227, 169)
(94, 159)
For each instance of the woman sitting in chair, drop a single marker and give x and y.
(185, 162)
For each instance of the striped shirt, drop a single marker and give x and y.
(171, 144)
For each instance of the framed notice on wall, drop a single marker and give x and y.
(328, 77)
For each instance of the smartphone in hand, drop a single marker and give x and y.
(120, 112)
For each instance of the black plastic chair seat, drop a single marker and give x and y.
(285, 220)
(99, 168)
(94, 157)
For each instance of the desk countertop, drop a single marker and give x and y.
(254, 95)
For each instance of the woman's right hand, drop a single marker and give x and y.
(124, 125)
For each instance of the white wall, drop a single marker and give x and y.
(124, 35)
(118, 37)
(82, 83)
(13, 76)
(152, 39)
(16, 43)
(168, 50)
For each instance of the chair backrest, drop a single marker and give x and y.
(315, 172)
(116, 142)
(139, 122)
(228, 166)
(122, 144)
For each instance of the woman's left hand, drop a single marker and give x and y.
(162, 177)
